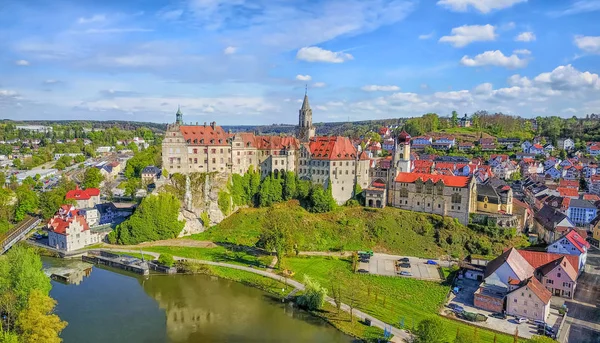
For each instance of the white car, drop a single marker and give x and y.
(520, 320)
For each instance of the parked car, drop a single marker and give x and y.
(432, 262)
(546, 333)
(545, 327)
(363, 271)
(456, 308)
(404, 259)
(405, 273)
(520, 320)
(405, 265)
(499, 315)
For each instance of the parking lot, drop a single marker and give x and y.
(384, 264)
(465, 298)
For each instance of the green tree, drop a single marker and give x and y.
(51, 200)
(133, 147)
(79, 159)
(156, 218)
(276, 234)
(321, 201)
(431, 331)
(37, 323)
(27, 202)
(290, 186)
(314, 295)
(166, 260)
(454, 119)
(92, 178)
(516, 176)
(131, 186)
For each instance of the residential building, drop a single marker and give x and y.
(385, 132)
(529, 299)
(465, 146)
(571, 243)
(593, 148)
(91, 215)
(550, 224)
(68, 230)
(84, 198)
(465, 121)
(594, 184)
(582, 212)
(421, 142)
(566, 144)
(444, 143)
(150, 174)
(35, 128)
(536, 149)
(559, 277)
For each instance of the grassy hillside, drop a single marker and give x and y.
(353, 228)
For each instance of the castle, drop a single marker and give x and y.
(324, 160)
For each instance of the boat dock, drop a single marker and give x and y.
(127, 263)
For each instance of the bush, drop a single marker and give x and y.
(166, 260)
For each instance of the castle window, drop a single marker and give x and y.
(201, 141)
(195, 151)
(189, 141)
(456, 198)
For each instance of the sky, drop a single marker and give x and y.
(240, 62)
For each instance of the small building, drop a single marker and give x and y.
(91, 215)
(550, 224)
(465, 146)
(571, 243)
(150, 174)
(566, 144)
(582, 212)
(465, 121)
(84, 198)
(529, 299)
(68, 230)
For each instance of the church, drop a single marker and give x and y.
(324, 160)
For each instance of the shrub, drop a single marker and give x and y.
(166, 260)
(314, 295)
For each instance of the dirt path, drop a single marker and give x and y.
(191, 243)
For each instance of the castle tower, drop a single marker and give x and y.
(179, 116)
(306, 130)
(402, 162)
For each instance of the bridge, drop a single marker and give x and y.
(11, 237)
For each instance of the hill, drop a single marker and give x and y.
(387, 230)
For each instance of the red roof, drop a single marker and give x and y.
(578, 241)
(332, 148)
(404, 137)
(60, 222)
(378, 185)
(82, 194)
(538, 289)
(591, 197)
(276, 142)
(567, 192)
(539, 258)
(538, 146)
(569, 183)
(450, 181)
(384, 131)
(204, 135)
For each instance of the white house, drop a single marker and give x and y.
(526, 145)
(571, 243)
(566, 144)
(529, 299)
(68, 230)
(553, 173)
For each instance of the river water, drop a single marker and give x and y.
(108, 305)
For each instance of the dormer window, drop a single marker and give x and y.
(202, 141)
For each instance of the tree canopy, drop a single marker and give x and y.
(431, 331)
(92, 178)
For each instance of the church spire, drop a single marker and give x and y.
(305, 104)
(306, 130)
(179, 116)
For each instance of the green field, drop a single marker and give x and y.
(355, 228)
(390, 299)
(217, 254)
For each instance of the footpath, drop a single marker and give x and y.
(399, 335)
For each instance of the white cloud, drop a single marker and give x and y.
(316, 54)
(319, 84)
(569, 110)
(568, 78)
(114, 30)
(580, 6)
(230, 50)
(170, 15)
(51, 82)
(22, 63)
(525, 37)
(522, 52)
(483, 6)
(519, 81)
(590, 44)
(508, 26)
(7, 93)
(303, 77)
(427, 36)
(467, 34)
(494, 58)
(93, 19)
(484, 88)
(379, 88)
(321, 108)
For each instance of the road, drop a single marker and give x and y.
(399, 335)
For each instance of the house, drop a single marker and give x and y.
(526, 145)
(553, 173)
(548, 148)
(421, 142)
(150, 174)
(522, 155)
(571, 243)
(568, 192)
(523, 212)
(505, 170)
(582, 212)
(590, 170)
(465, 146)
(572, 172)
(529, 299)
(509, 143)
(594, 184)
(574, 184)
(107, 213)
(566, 144)
(388, 144)
(559, 277)
(68, 230)
(91, 215)
(550, 162)
(444, 143)
(384, 132)
(550, 223)
(536, 149)
(593, 148)
(85, 198)
(103, 149)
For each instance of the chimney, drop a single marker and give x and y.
(204, 124)
(196, 123)
(212, 124)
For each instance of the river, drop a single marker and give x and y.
(112, 306)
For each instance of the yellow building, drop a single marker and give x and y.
(496, 200)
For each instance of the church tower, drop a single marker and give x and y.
(402, 163)
(306, 130)
(178, 117)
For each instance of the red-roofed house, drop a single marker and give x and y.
(68, 230)
(529, 299)
(438, 194)
(568, 192)
(84, 198)
(571, 243)
(384, 132)
(569, 184)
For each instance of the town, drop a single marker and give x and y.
(546, 196)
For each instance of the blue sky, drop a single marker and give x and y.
(247, 62)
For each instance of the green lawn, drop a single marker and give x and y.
(357, 228)
(217, 254)
(390, 299)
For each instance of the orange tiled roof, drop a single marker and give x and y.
(82, 194)
(539, 258)
(332, 148)
(450, 181)
(204, 134)
(567, 192)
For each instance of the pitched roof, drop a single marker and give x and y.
(276, 142)
(204, 134)
(517, 263)
(537, 288)
(591, 197)
(581, 204)
(82, 194)
(332, 148)
(577, 241)
(569, 183)
(567, 192)
(538, 259)
(564, 263)
(449, 181)
(549, 217)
